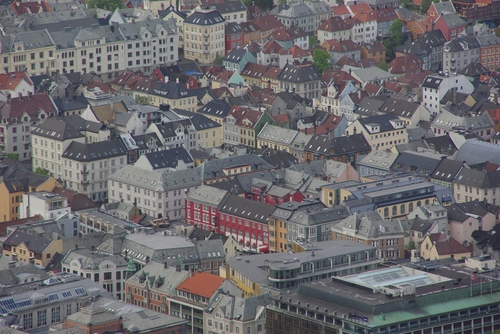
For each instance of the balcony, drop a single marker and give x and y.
(85, 172)
(85, 182)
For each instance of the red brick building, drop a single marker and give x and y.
(450, 25)
(246, 221)
(202, 206)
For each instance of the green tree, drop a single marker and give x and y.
(405, 3)
(411, 245)
(12, 156)
(383, 66)
(41, 171)
(263, 4)
(218, 60)
(110, 5)
(395, 38)
(321, 60)
(313, 41)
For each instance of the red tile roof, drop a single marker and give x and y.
(33, 7)
(342, 46)
(241, 113)
(386, 14)
(366, 17)
(446, 245)
(31, 106)
(340, 10)
(360, 8)
(201, 284)
(281, 118)
(371, 89)
(272, 72)
(409, 63)
(334, 24)
(268, 22)
(76, 201)
(297, 52)
(271, 46)
(346, 60)
(11, 80)
(254, 70)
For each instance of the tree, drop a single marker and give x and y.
(395, 38)
(383, 66)
(110, 5)
(41, 171)
(321, 60)
(218, 60)
(12, 156)
(411, 245)
(262, 4)
(313, 41)
(405, 3)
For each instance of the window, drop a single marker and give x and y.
(56, 315)
(42, 318)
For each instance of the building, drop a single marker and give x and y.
(48, 205)
(393, 196)
(14, 186)
(49, 141)
(333, 28)
(166, 161)
(387, 235)
(482, 185)
(298, 14)
(279, 272)
(325, 147)
(489, 45)
(204, 38)
(242, 125)
(302, 80)
(436, 86)
(459, 52)
(467, 217)
(376, 163)
(421, 164)
(450, 24)
(108, 271)
(246, 221)
(160, 195)
(93, 163)
(381, 131)
(246, 314)
(314, 305)
(209, 132)
(438, 246)
(30, 248)
(19, 116)
(202, 207)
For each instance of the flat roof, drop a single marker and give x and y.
(158, 242)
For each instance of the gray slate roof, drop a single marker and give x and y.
(247, 209)
(205, 18)
(213, 168)
(168, 158)
(34, 243)
(58, 129)
(95, 151)
(298, 74)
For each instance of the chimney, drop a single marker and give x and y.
(454, 95)
(30, 94)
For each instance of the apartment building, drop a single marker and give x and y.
(88, 166)
(33, 51)
(19, 116)
(381, 131)
(156, 194)
(202, 206)
(370, 228)
(302, 80)
(280, 272)
(460, 52)
(436, 86)
(204, 37)
(49, 141)
(109, 271)
(482, 185)
(47, 204)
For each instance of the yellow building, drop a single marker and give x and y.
(244, 283)
(381, 131)
(204, 36)
(439, 246)
(278, 235)
(29, 248)
(23, 54)
(12, 190)
(253, 73)
(179, 18)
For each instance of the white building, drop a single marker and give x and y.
(437, 85)
(87, 166)
(109, 271)
(156, 194)
(48, 205)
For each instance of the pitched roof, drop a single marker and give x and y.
(95, 151)
(168, 158)
(298, 74)
(446, 245)
(452, 20)
(230, 7)
(205, 18)
(31, 106)
(201, 284)
(254, 70)
(338, 146)
(34, 243)
(268, 22)
(247, 209)
(58, 129)
(210, 169)
(333, 24)
(216, 108)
